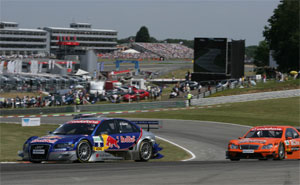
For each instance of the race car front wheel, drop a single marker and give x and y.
(281, 152)
(145, 151)
(84, 151)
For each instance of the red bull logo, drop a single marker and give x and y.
(109, 142)
(112, 142)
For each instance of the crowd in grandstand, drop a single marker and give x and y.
(153, 51)
(122, 55)
(174, 51)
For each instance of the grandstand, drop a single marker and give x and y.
(152, 51)
(166, 50)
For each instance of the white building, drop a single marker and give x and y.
(55, 40)
(80, 37)
(14, 40)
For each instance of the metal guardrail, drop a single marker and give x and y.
(93, 108)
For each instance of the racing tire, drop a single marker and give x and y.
(83, 151)
(281, 152)
(145, 151)
(234, 159)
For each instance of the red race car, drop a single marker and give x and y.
(263, 142)
(134, 95)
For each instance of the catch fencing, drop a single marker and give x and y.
(94, 108)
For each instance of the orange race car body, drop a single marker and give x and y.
(263, 142)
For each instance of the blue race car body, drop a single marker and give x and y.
(93, 139)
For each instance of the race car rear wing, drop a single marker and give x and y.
(148, 124)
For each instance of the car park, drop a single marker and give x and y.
(263, 142)
(90, 139)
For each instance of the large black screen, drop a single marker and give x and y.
(210, 55)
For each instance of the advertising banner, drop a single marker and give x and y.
(31, 122)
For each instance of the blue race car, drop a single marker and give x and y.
(94, 139)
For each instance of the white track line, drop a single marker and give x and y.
(188, 151)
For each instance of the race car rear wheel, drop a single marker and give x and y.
(145, 151)
(281, 152)
(84, 151)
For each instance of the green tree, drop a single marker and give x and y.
(282, 34)
(142, 35)
(250, 50)
(261, 54)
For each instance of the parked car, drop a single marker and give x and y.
(192, 84)
(141, 94)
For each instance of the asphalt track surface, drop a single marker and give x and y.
(207, 140)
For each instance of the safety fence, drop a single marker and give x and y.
(94, 108)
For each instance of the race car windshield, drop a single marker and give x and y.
(264, 133)
(75, 129)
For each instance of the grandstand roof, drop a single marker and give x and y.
(79, 29)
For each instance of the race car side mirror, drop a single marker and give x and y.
(240, 137)
(289, 138)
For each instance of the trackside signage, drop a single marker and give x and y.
(31, 122)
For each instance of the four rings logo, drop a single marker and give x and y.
(39, 147)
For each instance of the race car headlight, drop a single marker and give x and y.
(269, 146)
(64, 145)
(233, 146)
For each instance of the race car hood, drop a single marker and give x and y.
(261, 141)
(52, 139)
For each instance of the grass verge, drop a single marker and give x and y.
(271, 85)
(13, 136)
(283, 111)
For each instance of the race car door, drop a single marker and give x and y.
(108, 136)
(292, 143)
(129, 134)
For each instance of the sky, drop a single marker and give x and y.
(182, 19)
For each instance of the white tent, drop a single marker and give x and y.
(130, 51)
(81, 72)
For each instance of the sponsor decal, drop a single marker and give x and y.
(98, 141)
(267, 128)
(127, 139)
(38, 151)
(109, 142)
(287, 143)
(60, 150)
(84, 121)
(248, 151)
(98, 148)
(123, 123)
(46, 139)
(51, 137)
(252, 141)
(295, 149)
(293, 143)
